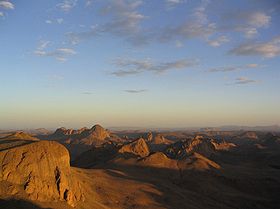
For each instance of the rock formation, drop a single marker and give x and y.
(198, 144)
(159, 160)
(42, 170)
(96, 135)
(138, 147)
(197, 162)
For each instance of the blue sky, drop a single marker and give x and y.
(142, 63)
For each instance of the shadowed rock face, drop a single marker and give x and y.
(182, 149)
(42, 170)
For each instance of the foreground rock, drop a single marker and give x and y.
(41, 171)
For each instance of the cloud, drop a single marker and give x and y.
(67, 5)
(234, 68)
(172, 3)
(48, 21)
(244, 80)
(59, 20)
(1, 14)
(89, 3)
(267, 49)
(179, 44)
(43, 44)
(60, 54)
(134, 91)
(246, 22)
(218, 41)
(133, 66)
(87, 93)
(124, 21)
(6, 5)
(196, 26)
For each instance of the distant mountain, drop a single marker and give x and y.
(95, 135)
(242, 128)
(20, 135)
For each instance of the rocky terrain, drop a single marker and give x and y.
(138, 169)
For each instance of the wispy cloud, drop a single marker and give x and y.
(6, 5)
(244, 80)
(267, 49)
(61, 54)
(134, 66)
(59, 20)
(124, 21)
(87, 93)
(246, 22)
(218, 41)
(196, 26)
(89, 3)
(234, 68)
(173, 3)
(67, 5)
(179, 44)
(43, 44)
(48, 21)
(135, 91)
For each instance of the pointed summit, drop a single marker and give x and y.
(99, 132)
(138, 147)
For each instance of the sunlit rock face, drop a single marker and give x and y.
(95, 135)
(42, 170)
(138, 147)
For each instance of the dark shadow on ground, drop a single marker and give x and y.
(9, 144)
(18, 204)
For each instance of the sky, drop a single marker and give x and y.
(139, 63)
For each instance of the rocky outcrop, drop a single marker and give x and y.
(158, 160)
(149, 136)
(158, 143)
(96, 135)
(159, 139)
(197, 162)
(138, 147)
(42, 170)
(223, 145)
(198, 144)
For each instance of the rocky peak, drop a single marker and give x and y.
(138, 147)
(99, 132)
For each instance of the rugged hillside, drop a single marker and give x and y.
(194, 172)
